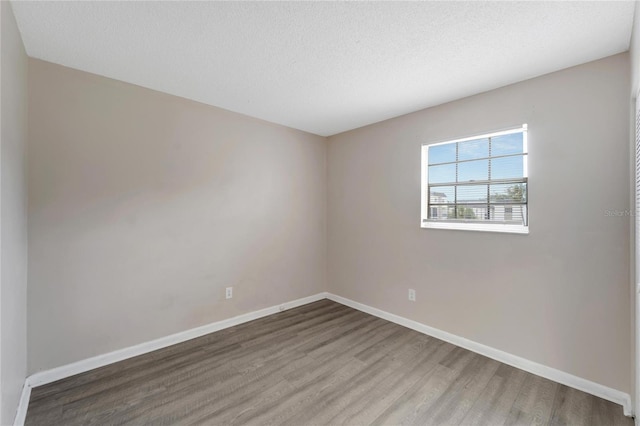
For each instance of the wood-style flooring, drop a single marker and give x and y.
(319, 364)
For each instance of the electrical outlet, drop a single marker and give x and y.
(229, 293)
(412, 295)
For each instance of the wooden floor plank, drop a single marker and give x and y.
(534, 403)
(495, 402)
(571, 407)
(462, 393)
(322, 363)
(374, 401)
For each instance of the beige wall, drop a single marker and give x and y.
(634, 50)
(634, 54)
(13, 221)
(558, 296)
(143, 207)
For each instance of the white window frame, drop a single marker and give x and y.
(468, 225)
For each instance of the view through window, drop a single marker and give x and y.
(477, 183)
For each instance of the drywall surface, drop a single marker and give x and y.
(13, 218)
(143, 207)
(634, 50)
(558, 296)
(634, 54)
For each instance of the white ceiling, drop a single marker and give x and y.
(323, 67)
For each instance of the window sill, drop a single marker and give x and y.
(485, 227)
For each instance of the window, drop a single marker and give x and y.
(478, 183)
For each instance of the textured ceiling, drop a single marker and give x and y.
(323, 67)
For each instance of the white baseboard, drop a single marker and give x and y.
(49, 376)
(550, 373)
(21, 415)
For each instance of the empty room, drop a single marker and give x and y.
(319, 213)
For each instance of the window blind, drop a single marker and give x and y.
(479, 180)
(637, 194)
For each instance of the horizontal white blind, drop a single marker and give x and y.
(637, 193)
(479, 180)
(637, 248)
